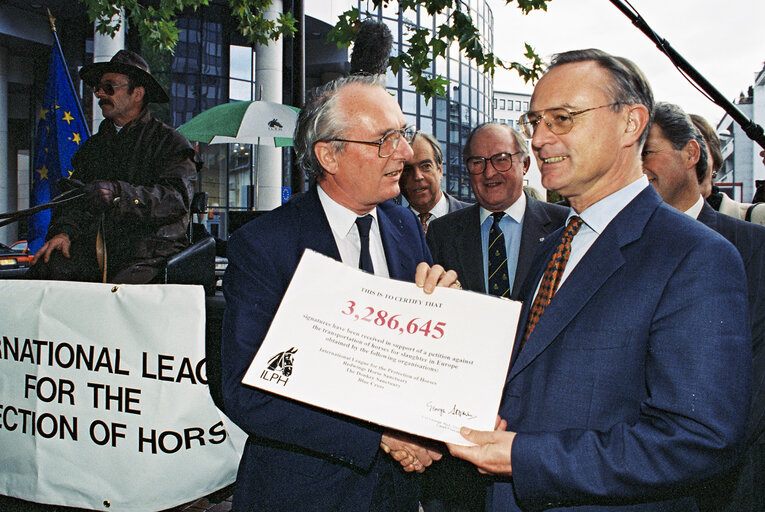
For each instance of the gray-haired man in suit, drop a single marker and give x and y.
(497, 157)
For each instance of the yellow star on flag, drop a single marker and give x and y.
(70, 171)
(43, 112)
(67, 117)
(42, 172)
(76, 138)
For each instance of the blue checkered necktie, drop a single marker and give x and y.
(499, 284)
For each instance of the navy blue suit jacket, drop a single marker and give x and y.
(299, 457)
(455, 242)
(749, 239)
(622, 395)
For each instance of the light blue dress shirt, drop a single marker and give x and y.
(512, 227)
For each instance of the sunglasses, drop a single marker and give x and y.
(107, 87)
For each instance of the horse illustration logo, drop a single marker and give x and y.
(274, 123)
(283, 361)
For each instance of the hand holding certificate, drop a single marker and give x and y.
(383, 351)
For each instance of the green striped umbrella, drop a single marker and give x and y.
(245, 122)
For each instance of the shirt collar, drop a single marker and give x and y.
(440, 209)
(515, 210)
(341, 219)
(695, 210)
(597, 216)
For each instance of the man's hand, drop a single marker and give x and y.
(413, 453)
(102, 193)
(493, 450)
(59, 242)
(427, 277)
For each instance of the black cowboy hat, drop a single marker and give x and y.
(130, 64)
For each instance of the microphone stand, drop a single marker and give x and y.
(752, 130)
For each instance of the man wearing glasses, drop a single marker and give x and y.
(491, 246)
(352, 141)
(139, 178)
(631, 374)
(492, 243)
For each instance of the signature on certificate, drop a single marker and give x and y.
(453, 411)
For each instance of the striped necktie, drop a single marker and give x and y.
(499, 284)
(551, 277)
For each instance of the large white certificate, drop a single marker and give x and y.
(383, 351)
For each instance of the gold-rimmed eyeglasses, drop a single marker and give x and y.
(388, 143)
(558, 120)
(502, 162)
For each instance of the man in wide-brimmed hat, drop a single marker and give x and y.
(139, 177)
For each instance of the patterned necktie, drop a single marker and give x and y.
(499, 284)
(424, 220)
(551, 277)
(365, 258)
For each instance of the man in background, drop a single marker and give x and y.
(421, 181)
(674, 158)
(491, 244)
(139, 177)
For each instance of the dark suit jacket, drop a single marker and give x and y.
(454, 203)
(749, 239)
(742, 488)
(299, 457)
(622, 395)
(455, 242)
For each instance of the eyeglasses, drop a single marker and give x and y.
(388, 143)
(502, 162)
(558, 120)
(107, 87)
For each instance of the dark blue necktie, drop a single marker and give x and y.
(499, 284)
(365, 259)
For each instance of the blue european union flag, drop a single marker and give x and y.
(61, 130)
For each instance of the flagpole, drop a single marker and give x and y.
(57, 46)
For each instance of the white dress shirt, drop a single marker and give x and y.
(440, 209)
(695, 210)
(342, 221)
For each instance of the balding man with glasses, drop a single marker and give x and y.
(491, 245)
(505, 219)
(352, 141)
(630, 380)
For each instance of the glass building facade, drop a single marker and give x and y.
(213, 64)
(469, 92)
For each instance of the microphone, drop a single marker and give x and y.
(371, 48)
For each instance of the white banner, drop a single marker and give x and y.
(103, 397)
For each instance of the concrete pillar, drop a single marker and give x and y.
(5, 177)
(268, 79)
(104, 48)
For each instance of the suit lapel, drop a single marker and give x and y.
(468, 246)
(395, 251)
(315, 232)
(600, 262)
(535, 227)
